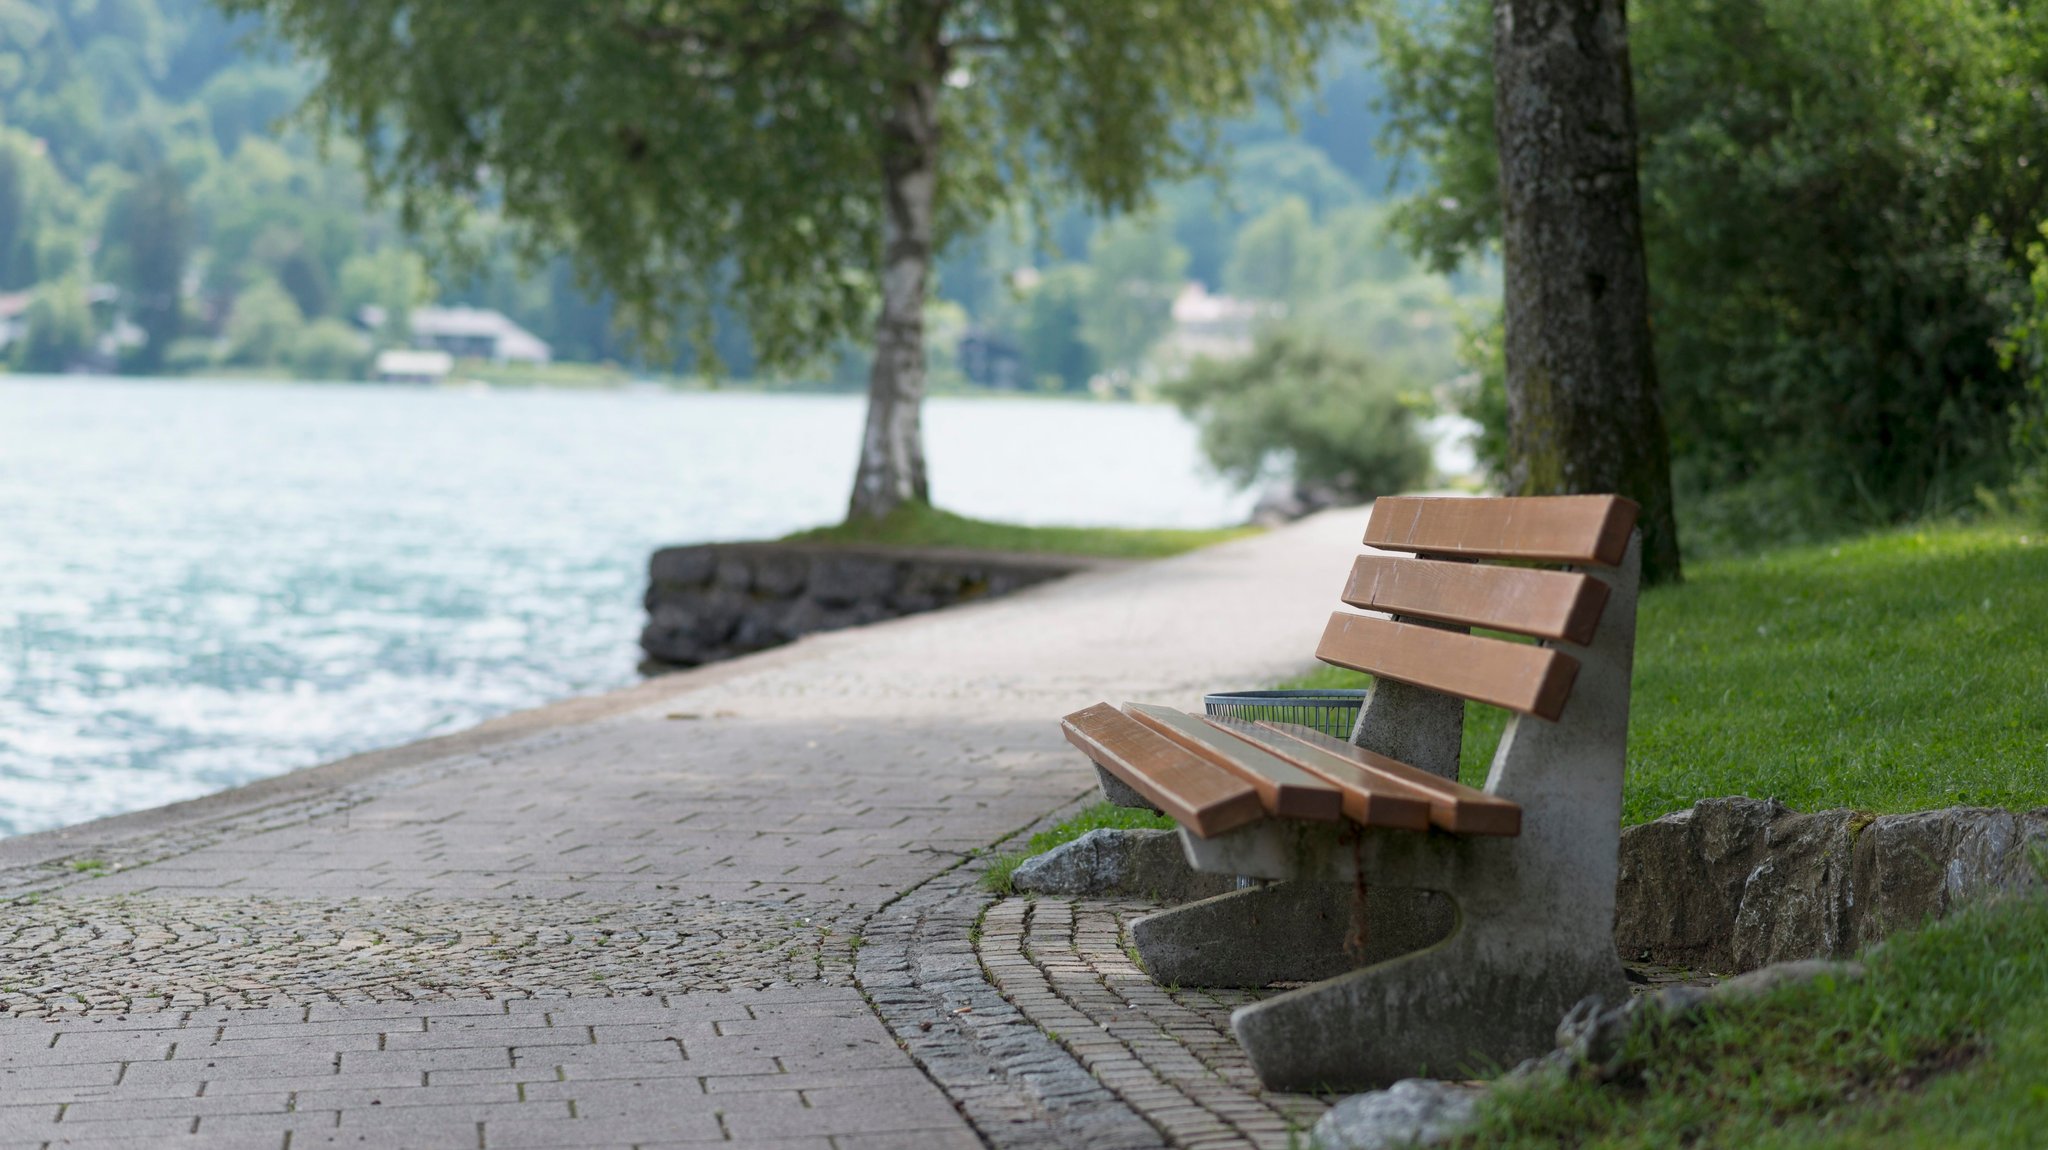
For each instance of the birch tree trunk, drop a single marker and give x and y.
(1583, 410)
(892, 446)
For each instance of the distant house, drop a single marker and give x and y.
(398, 365)
(468, 333)
(1209, 326)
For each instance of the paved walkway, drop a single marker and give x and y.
(734, 905)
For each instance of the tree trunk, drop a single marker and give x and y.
(1583, 411)
(892, 447)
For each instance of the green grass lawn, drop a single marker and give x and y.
(915, 525)
(1896, 672)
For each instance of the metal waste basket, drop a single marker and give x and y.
(1333, 713)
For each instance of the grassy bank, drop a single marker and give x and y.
(1941, 1044)
(914, 525)
(1896, 672)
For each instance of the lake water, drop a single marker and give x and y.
(204, 584)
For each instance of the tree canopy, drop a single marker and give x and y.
(727, 152)
(1837, 196)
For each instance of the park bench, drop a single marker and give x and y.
(1500, 903)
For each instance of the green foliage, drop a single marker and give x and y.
(149, 244)
(1277, 256)
(1335, 418)
(918, 525)
(1939, 1044)
(1836, 196)
(264, 327)
(1049, 327)
(328, 349)
(1482, 395)
(60, 327)
(1135, 271)
(721, 152)
(2024, 351)
(1897, 672)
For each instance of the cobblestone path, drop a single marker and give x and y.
(723, 907)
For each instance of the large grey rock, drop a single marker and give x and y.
(1796, 903)
(1736, 884)
(1411, 1112)
(1131, 863)
(1916, 867)
(1682, 879)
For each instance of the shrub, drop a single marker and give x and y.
(329, 349)
(1334, 418)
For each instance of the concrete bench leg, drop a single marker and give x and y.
(1286, 932)
(1472, 1005)
(1118, 793)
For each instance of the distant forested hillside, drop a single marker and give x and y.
(161, 213)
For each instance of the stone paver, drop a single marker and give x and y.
(640, 921)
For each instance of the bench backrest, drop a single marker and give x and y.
(1448, 587)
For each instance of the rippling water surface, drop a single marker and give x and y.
(205, 584)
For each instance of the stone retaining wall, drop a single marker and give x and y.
(1736, 884)
(717, 600)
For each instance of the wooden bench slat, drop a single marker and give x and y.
(1284, 788)
(1371, 799)
(1197, 793)
(1453, 806)
(1527, 601)
(1520, 677)
(1547, 528)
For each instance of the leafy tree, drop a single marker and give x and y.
(801, 160)
(150, 234)
(1277, 256)
(389, 278)
(1335, 418)
(1135, 270)
(1049, 330)
(328, 349)
(264, 326)
(60, 327)
(1836, 198)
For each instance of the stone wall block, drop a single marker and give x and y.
(682, 566)
(1682, 880)
(843, 580)
(1808, 886)
(1900, 865)
(780, 575)
(1796, 903)
(733, 573)
(719, 600)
